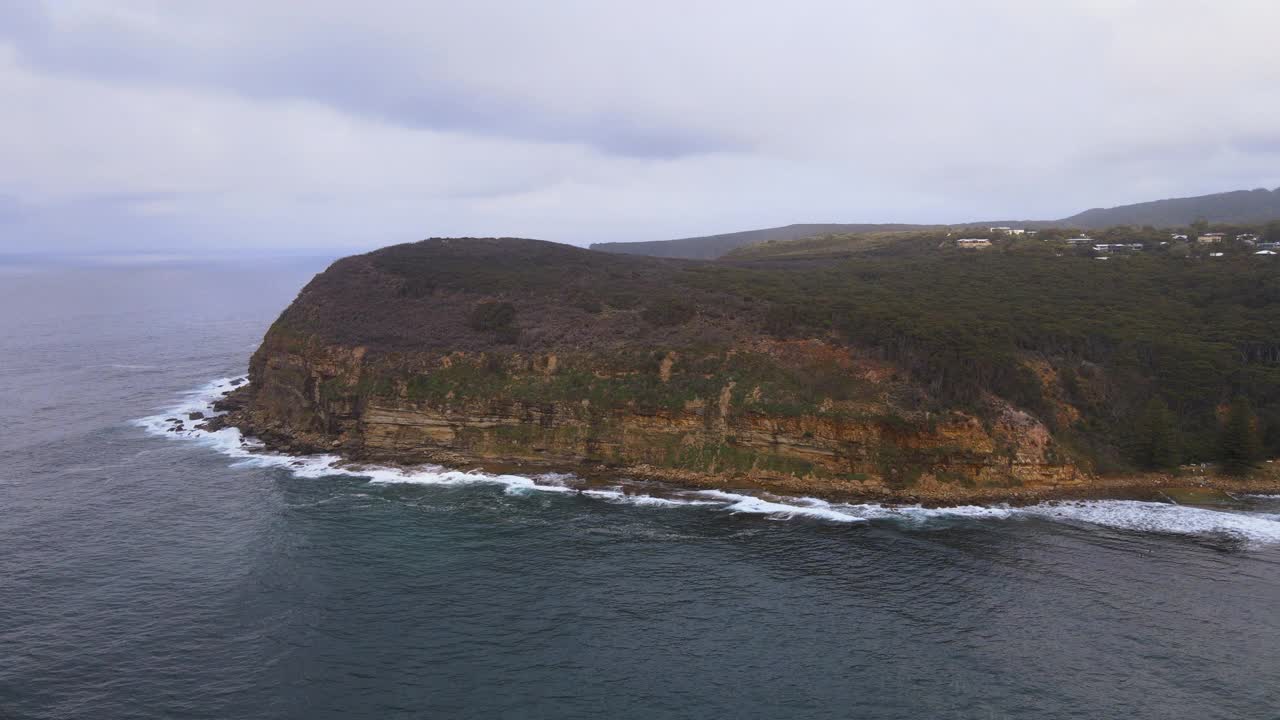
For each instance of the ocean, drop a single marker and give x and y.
(154, 574)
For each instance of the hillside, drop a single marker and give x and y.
(1239, 207)
(714, 246)
(1247, 207)
(877, 375)
(839, 245)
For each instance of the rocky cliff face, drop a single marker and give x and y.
(804, 416)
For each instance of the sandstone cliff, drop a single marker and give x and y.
(454, 352)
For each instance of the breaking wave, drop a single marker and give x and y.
(1154, 517)
(1126, 515)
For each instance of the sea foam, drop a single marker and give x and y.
(1154, 517)
(1255, 528)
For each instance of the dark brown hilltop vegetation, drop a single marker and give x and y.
(871, 365)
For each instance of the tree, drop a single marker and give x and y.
(1199, 227)
(1240, 445)
(1157, 445)
(1272, 232)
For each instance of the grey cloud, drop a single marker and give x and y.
(348, 72)
(268, 122)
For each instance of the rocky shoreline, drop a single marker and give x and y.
(1198, 486)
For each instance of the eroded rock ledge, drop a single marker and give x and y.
(716, 419)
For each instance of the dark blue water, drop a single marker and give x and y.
(146, 576)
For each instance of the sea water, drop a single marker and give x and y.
(157, 574)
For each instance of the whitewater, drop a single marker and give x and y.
(1251, 528)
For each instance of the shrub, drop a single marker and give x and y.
(498, 318)
(668, 311)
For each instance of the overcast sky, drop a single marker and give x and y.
(200, 125)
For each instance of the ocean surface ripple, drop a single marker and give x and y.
(156, 574)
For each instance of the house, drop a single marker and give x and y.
(1216, 254)
(1007, 230)
(1247, 238)
(1269, 246)
(1265, 252)
(1032, 233)
(1177, 236)
(1082, 240)
(973, 243)
(1208, 238)
(1117, 247)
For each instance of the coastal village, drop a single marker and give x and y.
(1196, 241)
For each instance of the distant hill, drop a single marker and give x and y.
(713, 246)
(1238, 207)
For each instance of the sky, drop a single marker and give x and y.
(273, 125)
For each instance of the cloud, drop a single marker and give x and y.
(390, 79)
(278, 124)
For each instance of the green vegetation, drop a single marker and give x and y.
(1241, 448)
(715, 246)
(669, 311)
(1190, 334)
(496, 317)
(757, 384)
(1157, 446)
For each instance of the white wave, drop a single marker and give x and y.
(1151, 517)
(617, 495)
(793, 507)
(920, 514)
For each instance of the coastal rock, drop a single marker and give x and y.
(214, 424)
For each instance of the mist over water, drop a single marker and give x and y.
(149, 575)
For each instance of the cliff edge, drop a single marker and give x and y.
(499, 352)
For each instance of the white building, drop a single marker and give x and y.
(1117, 247)
(973, 243)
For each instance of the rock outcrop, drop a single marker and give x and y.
(792, 415)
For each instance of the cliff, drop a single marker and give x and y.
(502, 352)
(946, 376)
